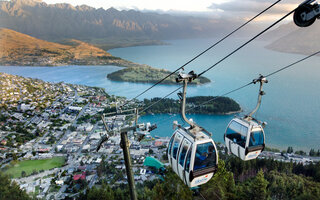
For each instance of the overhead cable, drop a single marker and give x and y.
(246, 85)
(200, 54)
(237, 49)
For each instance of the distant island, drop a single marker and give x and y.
(219, 106)
(147, 74)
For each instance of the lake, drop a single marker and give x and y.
(291, 105)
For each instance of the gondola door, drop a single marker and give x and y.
(182, 159)
(236, 138)
(176, 145)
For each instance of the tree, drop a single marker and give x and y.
(34, 172)
(300, 152)
(14, 156)
(171, 188)
(290, 150)
(259, 187)
(72, 128)
(10, 190)
(105, 192)
(150, 151)
(312, 152)
(221, 186)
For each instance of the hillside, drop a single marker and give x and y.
(221, 105)
(147, 74)
(21, 49)
(297, 40)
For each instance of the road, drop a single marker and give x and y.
(40, 175)
(93, 181)
(74, 123)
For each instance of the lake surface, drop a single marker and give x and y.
(291, 105)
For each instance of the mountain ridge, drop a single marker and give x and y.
(21, 49)
(61, 21)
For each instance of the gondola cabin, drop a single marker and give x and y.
(193, 157)
(245, 139)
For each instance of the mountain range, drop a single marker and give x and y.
(113, 28)
(54, 22)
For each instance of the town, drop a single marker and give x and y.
(50, 133)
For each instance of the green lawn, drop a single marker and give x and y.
(29, 165)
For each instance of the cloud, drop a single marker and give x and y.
(253, 6)
(245, 9)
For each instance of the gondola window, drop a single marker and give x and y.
(205, 156)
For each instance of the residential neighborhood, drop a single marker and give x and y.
(45, 121)
(56, 128)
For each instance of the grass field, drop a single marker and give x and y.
(29, 165)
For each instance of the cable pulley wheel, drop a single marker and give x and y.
(297, 18)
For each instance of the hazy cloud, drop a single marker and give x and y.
(245, 9)
(248, 6)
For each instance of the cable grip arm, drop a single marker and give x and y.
(261, 80)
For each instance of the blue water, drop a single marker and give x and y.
(291, 105)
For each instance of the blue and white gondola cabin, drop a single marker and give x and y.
(192, 156)
(245, 139)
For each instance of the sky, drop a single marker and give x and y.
(214, 8)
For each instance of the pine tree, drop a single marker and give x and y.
(10, 190)
(105, 192)
(259, 187)
(171, 188)
(221, 186)
(312, 152)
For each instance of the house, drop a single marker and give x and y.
(3, 142)
(43, 150)
(158, 143)
(59, 182)
(79, 176)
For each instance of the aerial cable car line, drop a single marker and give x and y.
(162, 99)
(305, 58)
(246, 85)
(243, 45)
(203, 52)
(158, 101)
(192, 153)
(271, 74)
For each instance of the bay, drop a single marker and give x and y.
(291, 105)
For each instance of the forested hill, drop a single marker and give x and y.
(146, 74)
(221, 105)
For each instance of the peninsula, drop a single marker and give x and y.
(18, 49)
(194, 105)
